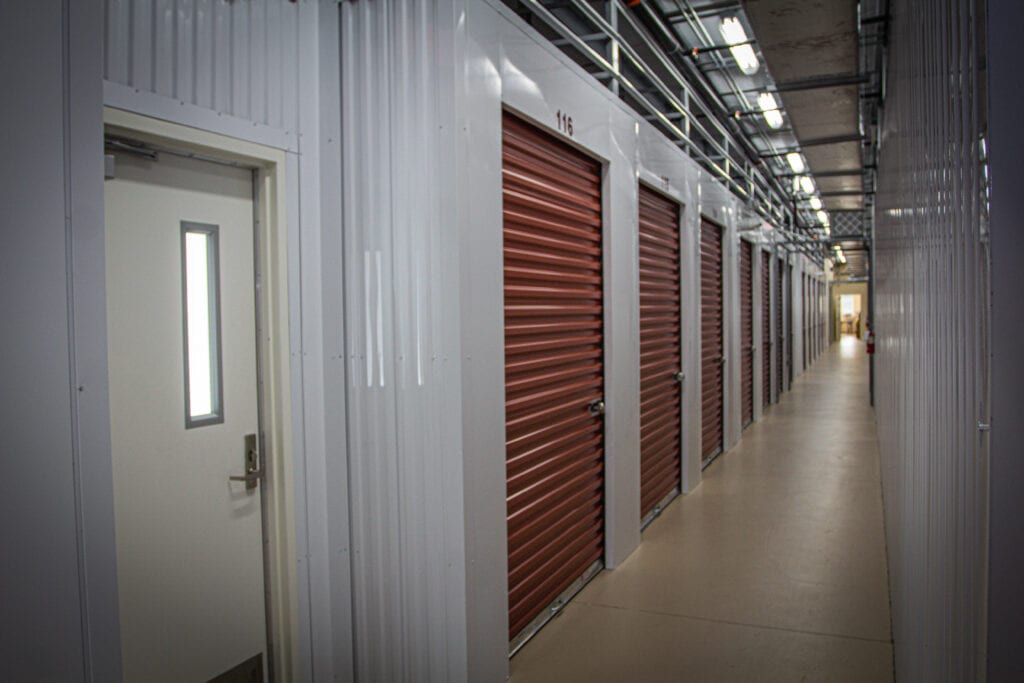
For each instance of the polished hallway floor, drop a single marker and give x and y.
(773, 569)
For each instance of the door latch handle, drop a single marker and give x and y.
(253, 471)
(679, 376)
(596, 407)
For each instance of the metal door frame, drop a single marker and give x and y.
(267, 166)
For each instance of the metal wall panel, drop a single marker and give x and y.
(660, 350)
(400, 289)
(235, 58)
(554, 367)
(747, 331)
(931, 313)
(766, 328)
(712, 315)
(44, 629)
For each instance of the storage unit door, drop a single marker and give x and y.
(712, 359)
(789, 327)
(805, 315)
(780, 330)
(819, 341)
(747, 330)
(554, 376)
(766, 328)
(660, 350)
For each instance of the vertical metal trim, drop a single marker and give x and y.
(257, 260)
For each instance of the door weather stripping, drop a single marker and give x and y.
(554, 608)
(659, 508)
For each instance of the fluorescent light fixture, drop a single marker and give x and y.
(807, 184)
(770, 109)
(796, 162)
(822, 218)
(816, 203)
(739, 45)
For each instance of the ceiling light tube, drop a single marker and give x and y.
(807, 184)
(816, 203)
(822, 218)
(734, 35)
(796, 162)
(770, 109)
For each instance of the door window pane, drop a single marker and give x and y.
(201, 303)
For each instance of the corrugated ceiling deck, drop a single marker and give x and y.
(803, 39)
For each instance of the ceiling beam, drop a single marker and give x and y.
(852, 173)
(818, 82)
(818, 142)
(844, 193)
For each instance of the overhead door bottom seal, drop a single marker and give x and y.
(553, 610)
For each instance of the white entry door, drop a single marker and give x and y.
(181, 318)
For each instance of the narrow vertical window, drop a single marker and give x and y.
(201, 319)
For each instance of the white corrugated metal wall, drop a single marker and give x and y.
(932, 283)
(234, 58)
(402, 341)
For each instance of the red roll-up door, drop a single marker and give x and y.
(780, 329)
(712, 359)
(553, 367)
(790, 327)
(747, 330)
(805, 314)
(766, 328)
(660, 350)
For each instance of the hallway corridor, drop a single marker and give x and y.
(773, 569)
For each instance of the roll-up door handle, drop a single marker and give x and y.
(679, 377)
(596, 407)
(721, 360)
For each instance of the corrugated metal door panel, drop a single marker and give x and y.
(660, 349)
(780, 329)
(805, 298)
(554, 366)
(712, 360)
(747, 330)
(766, 328)
(789, 327)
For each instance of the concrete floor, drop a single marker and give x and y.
(774, 569)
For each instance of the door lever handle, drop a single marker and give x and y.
(253, 471)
